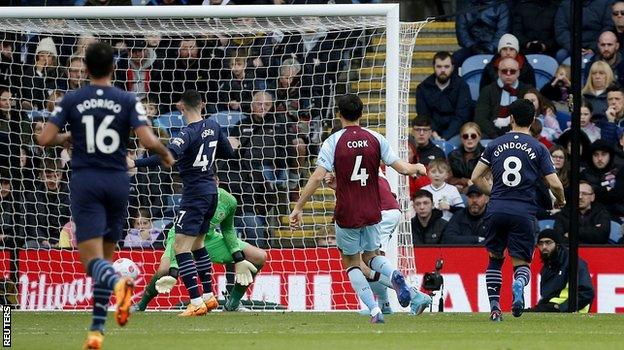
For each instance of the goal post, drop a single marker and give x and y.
(302, 56)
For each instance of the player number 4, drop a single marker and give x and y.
(96, 139)
(512, 166)
(359, 174)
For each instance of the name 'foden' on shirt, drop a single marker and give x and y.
(98, 103)
(514, 145)
(357, 144)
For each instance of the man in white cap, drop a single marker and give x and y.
(508, 46)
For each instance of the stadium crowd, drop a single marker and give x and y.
(271, 93)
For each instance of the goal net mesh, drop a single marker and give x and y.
(269, 82)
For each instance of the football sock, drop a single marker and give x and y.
(381, 264)
(204, 268)
(101, 297)
(361, 287)
(188, 274)
(522, 273)
(150, 292)
(380, 291)
(102, 273)
(494, 280)
(238, 291)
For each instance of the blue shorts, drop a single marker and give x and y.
(515, 233)
(195, 214)
(352, 241)
(99, 201)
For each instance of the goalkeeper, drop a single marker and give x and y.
(223, 247)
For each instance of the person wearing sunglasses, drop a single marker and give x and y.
(617, 16)
(508, 47)
(464, 159)
(494, 99)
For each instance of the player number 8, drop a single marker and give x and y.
(512, 166)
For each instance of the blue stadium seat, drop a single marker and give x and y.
(471, 72)
(544, 224)
(563, 119)
(160, 224)
(484, 142)
(616, 233)
(172, 122)
(227, 119)
(445, 146)
(544, 67)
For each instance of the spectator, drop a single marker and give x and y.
(545, 116)
(532, 22)
(14, 133)
(491, 111)
(426, 151)
(614, 115)
(427, 225)
(594, 223)
(609, 51)
(47, 208)
(76, 74)
(142, 234)
(415, 183)
(617, 15)
(565, 141)
(507, 48)
(445, 98)
(136, 70)
(596, 19)
(590, 129)
(152, 113)
(467, 225)
(54, 98)
(562, 166)
(10, 67)
(464, 159)
(236, 90)
(40, 77)
(595, 89)
(288, 99)
(554, 276)
(559, 88)
(536, 131)
(601, 172)
(445, 197)
(81, 45)
(11, 214)
(479, 30)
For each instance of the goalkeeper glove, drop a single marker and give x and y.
(165, 284)
(244, 269)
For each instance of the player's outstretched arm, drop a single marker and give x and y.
(151, 142)
(50, 136)
(405, 168)
(478, 178)
(556, 187)
(315, 180)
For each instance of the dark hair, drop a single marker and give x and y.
(421, 120)
(99, 59)
(440, 55)
(585, 182)
(614, 88)
(191, 99)
(523, 112)
(563, 173)
(423, 193)
(541, 101)
(350, 107)
(585, 103)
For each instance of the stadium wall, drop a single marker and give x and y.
(308, 279)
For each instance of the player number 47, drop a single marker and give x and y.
(201, 160)
(359, 174)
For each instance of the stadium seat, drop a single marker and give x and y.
(445, 146)
(616, 233)
(227, 119)
(172, 122)
(544, 224)
(484, 142)
(161, 224)
(544, 67)
(471, 72)
(584, 61)
(563, 119)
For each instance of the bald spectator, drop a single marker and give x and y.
(508, 47)
(609, 51)
(491, 111)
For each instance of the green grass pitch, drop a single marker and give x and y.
(322, 331)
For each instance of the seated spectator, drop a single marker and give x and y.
(467, 225)
(595, 89)
(41, 76)
(601, 171)
(545, 116)
(47, 208)
(67, 237)
(536, 131)
(237, 89)
(325, 236)
(135, 70)
(82, 43)
(617, 15)
(427, 225)
(415, 183)
(507, 48)
(614, 115)
(559, 88)
(565, 140)
(445, 197)
(532, 22)
(54, 98)
(596, 19)
(594, 222)
(420, 137)
(445, 97)
(464, 159)
(562, 166)
(142, 234)
(15, 132)
(10, 65)
(491, 111)
(11, 214)
(554, 276)
(76, 74)
(609, 52)
(479, 30)
(590, 129)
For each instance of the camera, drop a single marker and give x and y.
(433, 281)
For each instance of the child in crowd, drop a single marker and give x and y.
(445, 197)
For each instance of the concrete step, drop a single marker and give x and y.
(438, 27)
(309, 220)
(379, 118)
(434, 43)
(380, 101)
(317, 206)
(376, 86)
(286, 233)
